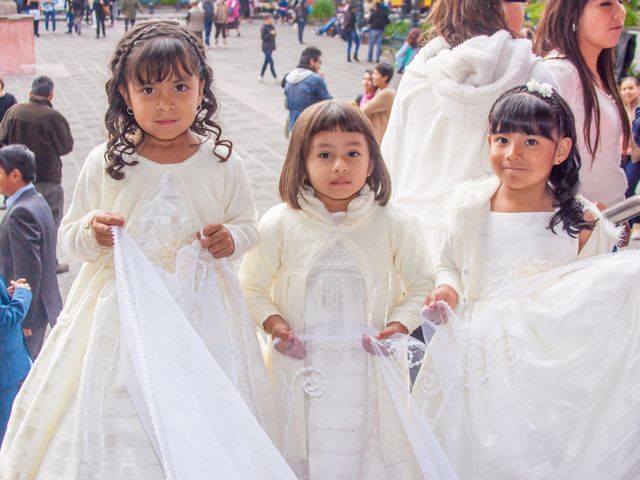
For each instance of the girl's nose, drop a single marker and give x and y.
(340, 166)
(620, 12)
(513, 151)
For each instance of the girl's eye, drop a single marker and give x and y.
(501, 140)
(324, 155)
(531, 142)
(147, 90)
(181, 87)
(353, 154)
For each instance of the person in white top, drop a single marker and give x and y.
(579, 39)
(435, 137)
(333, 263)
(534, 376)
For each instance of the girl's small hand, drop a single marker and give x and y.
(284, 341)
(445, 293)
(20, 283)
(101, 225)
(217, 240)
(373, 345)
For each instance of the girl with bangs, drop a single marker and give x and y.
(435, 135)
(335, 264)
(534, 375)
(97, 404)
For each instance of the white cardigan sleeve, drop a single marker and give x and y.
(260, 268)
(412, 262)
(240, 210)
(447, 269)
(73, 234)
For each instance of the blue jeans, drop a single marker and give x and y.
(300, 30)
(375, 39)
(268, 60)
(207, 31)
(50, 15)
(351, 39)
(632, 170)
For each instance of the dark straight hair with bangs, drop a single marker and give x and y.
(150, 53)
(329, 116)
(520, 110)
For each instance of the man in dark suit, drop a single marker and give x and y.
(28, 242)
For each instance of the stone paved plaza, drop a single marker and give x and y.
(252, 113)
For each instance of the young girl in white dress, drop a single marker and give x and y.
(164, 174)
(535, 377)
(335, 262)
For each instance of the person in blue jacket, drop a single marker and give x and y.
(15, 363)
(304, 85)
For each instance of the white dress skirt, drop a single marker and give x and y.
(94, 430)
(337, 378)
(537, 377)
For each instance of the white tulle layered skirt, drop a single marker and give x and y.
(541, 382)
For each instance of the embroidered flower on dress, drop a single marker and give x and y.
(544, 89)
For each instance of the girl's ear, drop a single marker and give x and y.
(370, 168)
(123, 91)
(489, 139)
(563, 150)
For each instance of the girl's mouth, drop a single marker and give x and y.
(165, 122)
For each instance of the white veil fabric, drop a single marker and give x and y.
(399, 425)
(198, 422)
(540, 382)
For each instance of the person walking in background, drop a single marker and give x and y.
(304, 86)
(378, 109)
(207, 6)
(220, 18)
(46, 133)
(99, 8)
(34, 11)
(408, 51)
(301, 19)
(15, 300)
(268, 35)
(350, 32)
(49, 9)
(195, 20)
(378, 20)
(130, 9)
(7, 100)
(28, 242)
(77, 11)
(233, 19)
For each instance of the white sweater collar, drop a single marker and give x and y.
(359, 208)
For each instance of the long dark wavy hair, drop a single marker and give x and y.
(150, 53)
(522, 111)
(558, 30)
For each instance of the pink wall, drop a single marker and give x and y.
(17, 54)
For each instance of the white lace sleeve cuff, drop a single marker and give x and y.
(89, 241)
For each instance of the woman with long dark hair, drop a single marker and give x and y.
(578, 37)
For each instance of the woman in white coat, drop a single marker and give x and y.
(436, 135)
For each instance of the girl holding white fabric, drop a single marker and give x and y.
(335, 262)
(436, 133)
(579, 40)
(96, 404)
(536, 377)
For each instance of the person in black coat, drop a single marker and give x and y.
(268, 35)
(28, 242)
